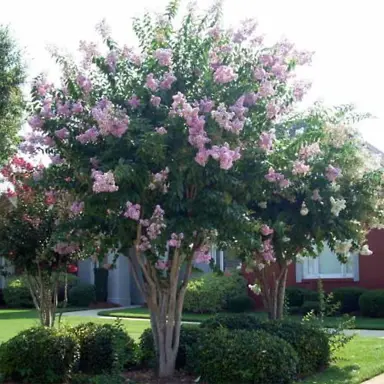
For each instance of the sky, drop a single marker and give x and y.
(345, 35)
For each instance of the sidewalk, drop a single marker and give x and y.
(376, 380)
(94, 313)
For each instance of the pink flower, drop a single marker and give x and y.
(206, 105)
(300, 168)
(176, 240)
(332, 173)
(50, 197)
(134, 101)
(35, 122)
(202, 157)
(155, 100)
(300, 90)
(64, 248)
(272, 110)
(266, 140)
(112, 61)
(202, 255)
(267, 60)
(63, 109)
(266, 89)
(62, 133)
(225, 155)
(268, 252)
(77, 207)
(162, 265)
(280, 71)
(309, 151)
(266, 230)
(224, 74)
(77, 107)
(159, 180)
(284, 183)
(48, 141)
(89, 136)
(103, 182)
(260, 73)
(161, 131)
(133, 211)
(84, 83)
(164, 56)
(273, 176)
(168, 80)
(144, 245)
(56, 159)
(316, 195)
(152, 83)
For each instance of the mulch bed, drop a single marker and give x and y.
(148, 377)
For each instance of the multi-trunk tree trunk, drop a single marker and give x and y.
(165, 298)
(44, 291)
(272, 280)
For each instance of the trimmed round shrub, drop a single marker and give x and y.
(310, 343)
(372, 303)
(211, 292)
(232, 321)
(16, 294)
(240, 304)
(104, 348)
(39, 355)
(309, 306)
(348, 297)
(189, 337)
(82, 295)
(297, 295)
(246, 357)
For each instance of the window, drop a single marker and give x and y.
(326, 266)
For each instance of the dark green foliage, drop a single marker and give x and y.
(310, 343)
(211, 292)
(39, 356)
(240, 356)
(17, 294)
(11, 100)
(189, 336)
(223, 320)
(104, 348)
(297, 295)
(101, 284)
(240, 304)
(82, 295)
(309, 306)
(348, 298)
(372, 303)
(98, 379)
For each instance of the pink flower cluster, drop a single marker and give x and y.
(266, 140)
(31, 142)
(202, 255)
(155, 100)
(231, 121)
(62, 133)
(63, 109)
(332, 173)
(103, 182)
(224, 155)
(89, 136)
(266, 230)
(224, 74)
(309, 151)
(268, 252)
(272, 110)
(167, 81)
(133, 211)
(84, 83)
(42, 86)
(156, 223)
(275, 177)
(161, 130)
(151, 83)
(176, 240)
(64, 248)
(206, 105)
(50, 198)
(112, 61)
(162, 265)
(159, 181)
(164, 56)
(34, 221)
(134, 102)
(110, 120)
(77, 207)
(300, 168)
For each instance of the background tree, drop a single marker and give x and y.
(149, 142)
(11, 99)
(36, 234)
(318, 184)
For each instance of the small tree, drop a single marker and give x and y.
(31, 235)
(319, 184)
(11, 100)
(149, 142)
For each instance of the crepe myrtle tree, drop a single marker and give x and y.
(318, 184)
(149, 141)
(34, 234)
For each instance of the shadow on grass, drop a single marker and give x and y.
(16, 314)
(334, 375)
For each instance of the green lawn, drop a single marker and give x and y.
(12, 321)
(360, 360)
(143, 313)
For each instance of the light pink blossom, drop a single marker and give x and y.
(162, 265)
(155, 100)
(332, 173)
(161, 131)
(224, 74)
(266, 140)
(164, 56)
(77, 207)
(151, 83)
(266, 230)
(133, 211)
(134, 101)
(309, 151)
(300, 168)
(103, 182)
(89, 136)
(202, 255)
(62, 133)
(176, 240)
(167, 81)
